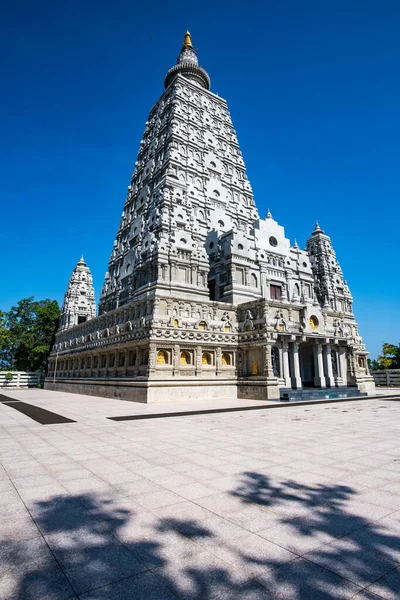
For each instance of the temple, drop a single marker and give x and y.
(203, 298)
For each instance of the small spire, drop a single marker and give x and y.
(81, 262)
(269, 215)
(317, 229)
(187, 42)
(295, 245)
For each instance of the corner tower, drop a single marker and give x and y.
(79, 304)
(331, 289)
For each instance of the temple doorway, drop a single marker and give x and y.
(307, 366)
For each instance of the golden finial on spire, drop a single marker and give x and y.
(187, 42)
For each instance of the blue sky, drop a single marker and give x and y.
(314, 94)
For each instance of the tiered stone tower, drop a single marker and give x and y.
(189, 186)
(202, 298)
(79, 304)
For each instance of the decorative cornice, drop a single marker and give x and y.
(191, 71)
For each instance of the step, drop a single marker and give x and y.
(289, 395)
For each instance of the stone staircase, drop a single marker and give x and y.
(289, 395)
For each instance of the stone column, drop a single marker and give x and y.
(107, 363)
(198, 353)
(138, 360)
(173, 271)
(296, 379)
(343, 364)
(126, 361)
(285, 365)
(98, 364)
(267, 370)
(280, 370)
(263, 282)
(218, 360)
(319, 379)
(116, 362)
(151, 368)
(330, 380)
(176, 359)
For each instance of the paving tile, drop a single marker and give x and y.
(361, 565)
(192, 491)
(297, 536)
(388, 586)
(381, 498)
(201, 576)
(254, 519)
(301, 579)
(249, 590)
(18, 528)
(379, 538)
(366, 595)
(393, 487)
(8, 497)
(36, 480)
(34, 582)
(89, 567)
(155, 500)
(123, 476)
(144, 586)
(365, 510)
(84, 485)
(35, 494)
(220, 503)
(72, 475)
(14, 553)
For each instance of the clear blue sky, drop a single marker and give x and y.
(314, 92)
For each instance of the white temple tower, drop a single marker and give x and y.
(202, 297)
(79, 304)
(189, 186)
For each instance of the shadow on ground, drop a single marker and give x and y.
(91, 548)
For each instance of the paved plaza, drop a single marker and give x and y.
(293, 503)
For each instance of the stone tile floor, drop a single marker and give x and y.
(299, 503)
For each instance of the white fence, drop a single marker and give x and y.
(387, 378)
(20, 379)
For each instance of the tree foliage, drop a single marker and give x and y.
(27, 334)
(389, 359)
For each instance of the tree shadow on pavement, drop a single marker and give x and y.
(92, 547)
(333, 533)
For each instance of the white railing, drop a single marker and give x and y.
(20, 379)
(387, 377)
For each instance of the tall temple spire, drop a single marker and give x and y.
(188, 66)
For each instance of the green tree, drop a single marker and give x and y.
(29, 330)
(390, 358)
(374, 365)
(5, 354)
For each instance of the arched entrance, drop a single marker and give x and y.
(307, 365)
